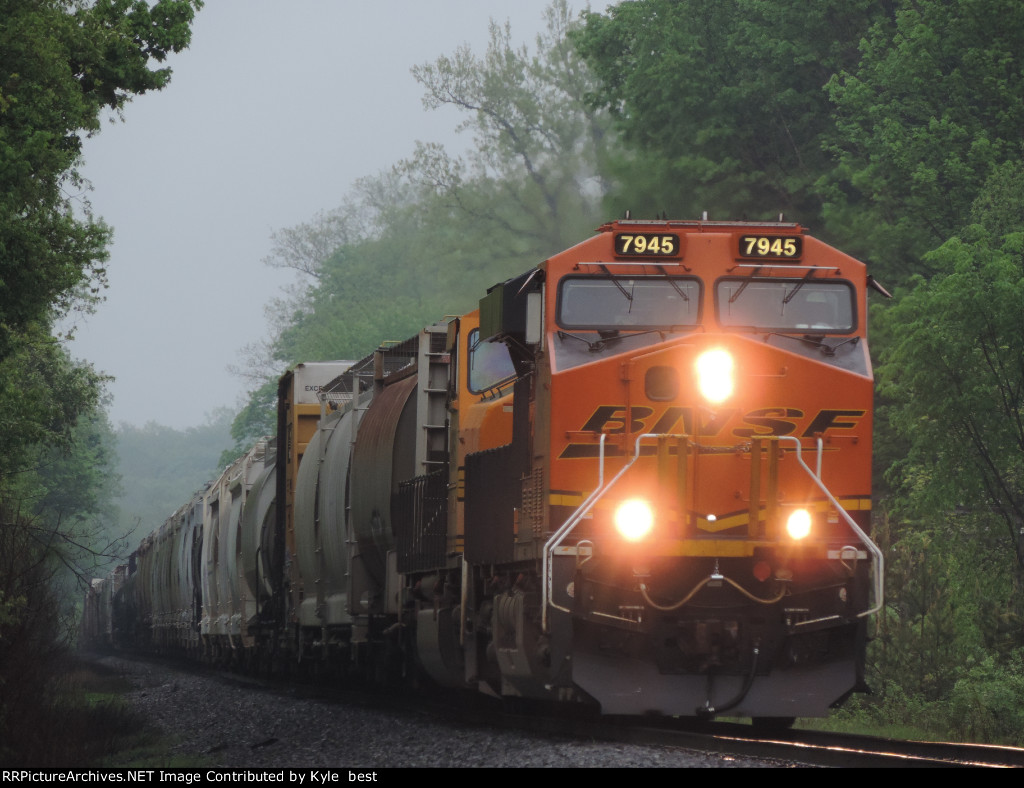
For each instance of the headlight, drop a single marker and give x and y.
(634, 519)
(798, 526)
(714, 375)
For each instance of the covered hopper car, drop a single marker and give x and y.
(637, 479)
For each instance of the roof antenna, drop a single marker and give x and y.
(627, 214)
(780, 218)
(705, 216)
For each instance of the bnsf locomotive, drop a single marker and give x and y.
(637, 478)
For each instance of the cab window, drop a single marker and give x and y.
(785, 305)
(489, 364)
(621, 302)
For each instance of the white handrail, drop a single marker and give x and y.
(574, 519)
(558, 536)
(875, 551)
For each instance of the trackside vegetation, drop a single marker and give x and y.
(63, 64)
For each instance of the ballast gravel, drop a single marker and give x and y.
(226, 723)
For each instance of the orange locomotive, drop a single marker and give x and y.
(638, 479)
(676, 521)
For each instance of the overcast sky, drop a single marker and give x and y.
(271, 115)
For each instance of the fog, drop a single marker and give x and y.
(271, 115)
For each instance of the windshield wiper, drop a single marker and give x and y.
(608, 335)
(743, 285)
(673, 282)
(796, 289)
(618, 284)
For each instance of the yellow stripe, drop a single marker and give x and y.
(735, 548)
(860, 504)
(722, 523)
(559, 499)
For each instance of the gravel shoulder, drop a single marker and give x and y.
(234, 724)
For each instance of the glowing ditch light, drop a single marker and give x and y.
(798, 526)
(714, 375)
(634, 519)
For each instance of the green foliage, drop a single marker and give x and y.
(44, 562)
(951, 385)
(877, 122)
(723, 101)
(160, 467)
(934, 106)
(257, 419)
(62, 63)
(930, 627)
(533, 177)
(42, 393)
(997, 207)
(56, 463)
(956, 375)
(987, 704)
(79, 718)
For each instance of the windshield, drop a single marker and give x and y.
(785, 304)
(613, 302)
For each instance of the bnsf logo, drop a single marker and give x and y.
(611, 419)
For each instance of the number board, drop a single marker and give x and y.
(776, 247)
(647, 245)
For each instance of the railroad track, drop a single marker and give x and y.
(833, 749)
(796, 747)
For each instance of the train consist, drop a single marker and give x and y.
(637, 478)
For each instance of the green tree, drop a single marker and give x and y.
(935, 104)
(954, 383)
(56, 486)
(534, 176)
(160, 467)
(957, 383)
(257, 419)
(62, 64)
(723, 102)
(57, 474)
(42, 394)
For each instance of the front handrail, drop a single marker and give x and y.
(556, 538)
(602, 489)
(879, 558)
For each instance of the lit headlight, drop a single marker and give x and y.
(714, 375)
(634, 519)
(798, 526)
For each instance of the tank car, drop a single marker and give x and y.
(636, 479)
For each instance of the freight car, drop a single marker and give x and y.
(636, 479)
